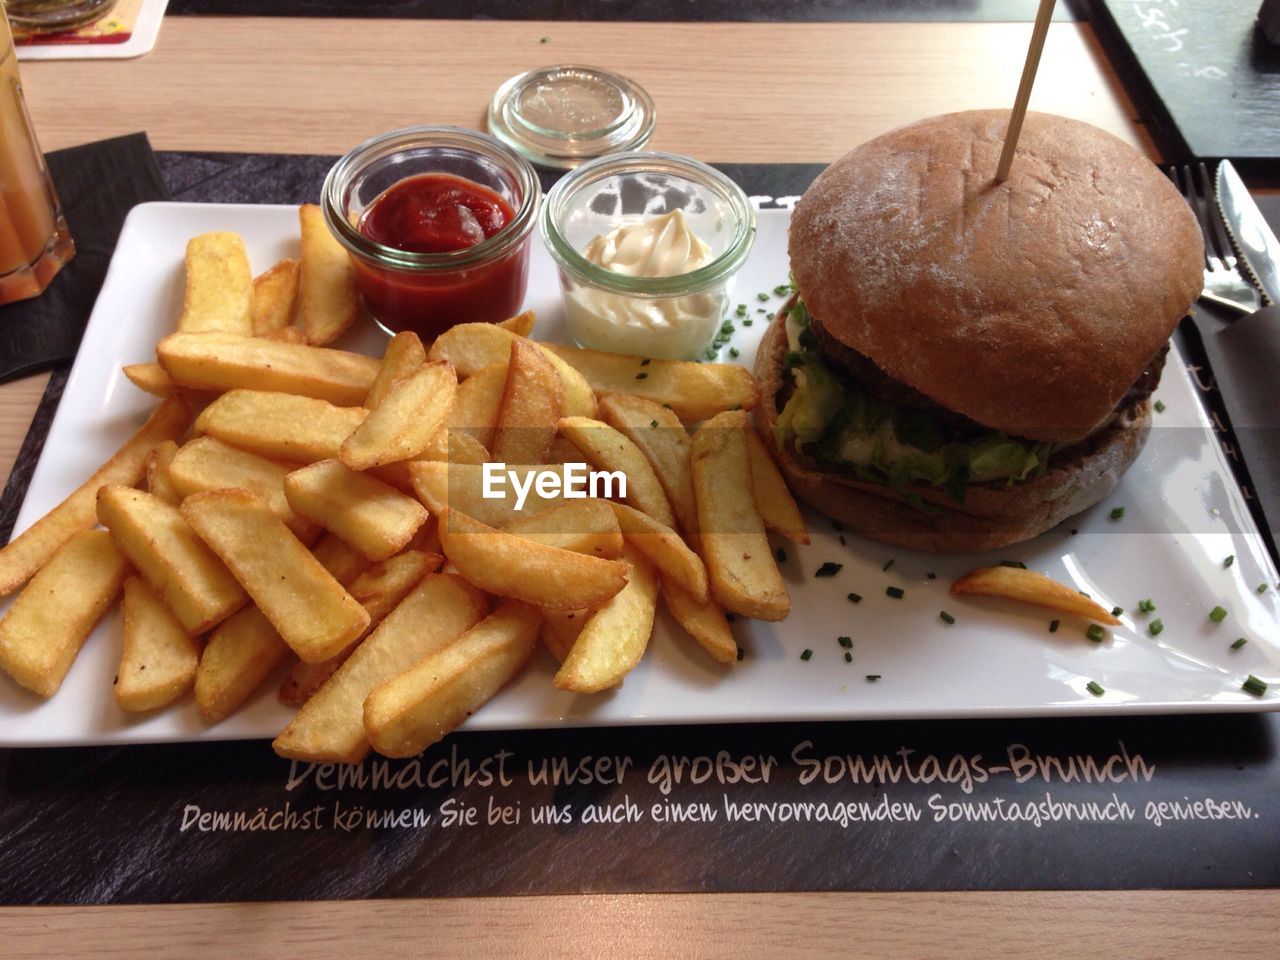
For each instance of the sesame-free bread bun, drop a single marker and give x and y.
(1029, 306)
(992, 515)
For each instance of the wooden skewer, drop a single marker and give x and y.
(1038, 34)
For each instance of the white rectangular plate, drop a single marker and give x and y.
(1183, 516)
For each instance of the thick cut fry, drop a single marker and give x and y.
(696, 391)
(31, 549)
(192, 580)
(327, 299)
(404, 355)
(777, 507)
(1028, 586)
(521, 324)
(238, 658)
(274, 294)
(473, 346)
(475, 412)
(376, 519)
(48, 623)
(417, 708)
(219, 292)
(158, 481)
(280, 426)
(206, 463)
(664, 548)
(330, 725)
(704, 620)
(744, 577)
(462, 486)
(583, 526)
(609, 449)
(615, 637)
(343, 561)
(225, 361)
(664, 441)
(560, 630)
(379, 590)
(531, 405)
(401, 428)
(307, 606)
(510, 566)
(159, 660)
(150, 378)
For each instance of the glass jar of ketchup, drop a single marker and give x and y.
(438, 223)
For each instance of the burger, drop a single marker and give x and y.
(965, 363)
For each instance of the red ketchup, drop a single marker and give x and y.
(441, 213)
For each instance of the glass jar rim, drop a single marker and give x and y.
(695, 281)
(404, 139)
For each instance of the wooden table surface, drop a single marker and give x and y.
(724, 92)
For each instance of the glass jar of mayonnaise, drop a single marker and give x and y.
(648, 245)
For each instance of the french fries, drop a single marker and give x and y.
(219, 290)
(511, 566)
(695, 391)
(583, 526)
(664, 548)
(342, 561)
(280, 426)
(376, 519)
(239, 656)
(330, 725)
(777, 507)
(615, 636)
(743, 575)
(48, 623)
(1028, 586)
(31, 549)
(704, 620)
(411, 412)
(327, 299)
(199, 590)
(521, 324)
(159, 659)
(416, 708)
(275, 293)
(158, 481)
(150, 378)
(608, 449)
(404, 355)
(662, 438)
(561, 629)
(531, 405)
(310, 610)
(461, 486)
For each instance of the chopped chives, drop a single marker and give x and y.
(1095, 688)
(1217, 614)
(762, 297)
(781, 290)
(1160, 408)
(1053, 625)
(711, 353)
(854, 597)
(653, 424)
(733, 352)
(1155, 627)
(887, 564)
(1117, 513)
(1262, 588)
(781, 555)
(872, 677)
(1116, 611)
(727, 327)
(1095, 633)
(946, 617)
(846, 642)
(848, 657)
(742, 310)
(1254, 685)
(1017, 564)
(747, 322)
(761, 310)
(807, 654)
(932, 576)
(1229, 561)
(828, 569)
(1146, 606)
(896, 592)
(1239, 643)
(642, 375)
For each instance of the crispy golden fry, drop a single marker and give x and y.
(158, 480)
(464, 448)
(743, 575)
(777, 507)
(521, 324)
(307, 606)
(280, 426)
(703, 620)
(330, 725)
(418, 707)
(461, 485)
(473, 346)
(560, 630)
(207, 463)
(583, 526)
(378, 520)
(219, 292)
(428, 538)
(696, 391)
(1028, 586)
(275, 293)
(404, 355)
(609, 449)
(149, 378)
(159, 660)
(511, 566)
(379, 590)
(401, 428)
(223, 361)
(157, 540)
(343, 561)
(32, 548)
(664, 548)
(615, 636)
(238, 658)
(664, 441)
(49, 621)
(475, 411)
(327, 299)
(531, 406)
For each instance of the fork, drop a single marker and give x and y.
(1223, 283)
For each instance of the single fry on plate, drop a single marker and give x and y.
(609, 450)
(663, 439)
(410, 414)
(219, 286)
(159, 658)
(1028, 586)
(327, 298)
(241, 653)
(531, 406)
(373, 517)
(280, 426)
(275, 293)
(404, 355)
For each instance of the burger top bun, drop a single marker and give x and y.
(1029, 306)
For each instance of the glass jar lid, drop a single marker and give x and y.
(563, 116)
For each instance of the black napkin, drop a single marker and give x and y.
(98, 184)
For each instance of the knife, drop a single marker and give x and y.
(1259, 249)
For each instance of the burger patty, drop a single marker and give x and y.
(848, 362)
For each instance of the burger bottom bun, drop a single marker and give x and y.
(992, 515)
